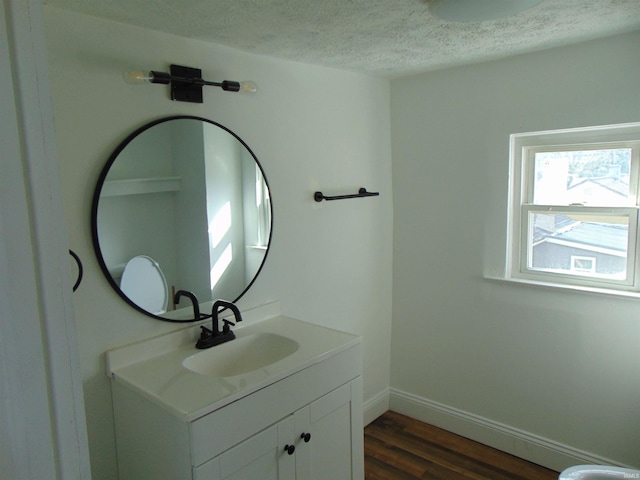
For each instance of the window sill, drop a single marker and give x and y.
(569, 288)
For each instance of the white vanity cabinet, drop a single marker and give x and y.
(313, 443)
(314, 411)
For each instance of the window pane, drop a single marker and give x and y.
(588, 245)
(586, 177)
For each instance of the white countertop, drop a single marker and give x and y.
(160, 376)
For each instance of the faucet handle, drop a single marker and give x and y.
(207, 338)
(205, 332)
(226, 327)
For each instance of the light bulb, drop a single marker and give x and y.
(248, 87)
(137, 76)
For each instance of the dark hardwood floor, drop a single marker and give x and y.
(397, 447)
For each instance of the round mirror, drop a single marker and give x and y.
(182, 204)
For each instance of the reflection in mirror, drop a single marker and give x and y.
(189, 195)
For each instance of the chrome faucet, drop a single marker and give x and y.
(212, 337)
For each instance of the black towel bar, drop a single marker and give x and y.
(318, 196)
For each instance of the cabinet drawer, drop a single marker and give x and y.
(208, 471)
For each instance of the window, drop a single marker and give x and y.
(573, 216)
(583, 264)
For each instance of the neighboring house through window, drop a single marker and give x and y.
(574, 200)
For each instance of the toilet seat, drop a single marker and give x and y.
(145, 285)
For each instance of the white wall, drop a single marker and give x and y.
(312, 128)
(467, 351)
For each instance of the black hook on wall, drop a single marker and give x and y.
(80, 270)
(318, 196)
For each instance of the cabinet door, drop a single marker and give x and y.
(285, 454)
(262, 456)
(324, 438)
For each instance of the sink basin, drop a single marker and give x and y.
(192, 383)
(241, 355)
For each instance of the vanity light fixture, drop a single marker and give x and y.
(186, 83)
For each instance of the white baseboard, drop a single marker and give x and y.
(520, 443)
(375, 406)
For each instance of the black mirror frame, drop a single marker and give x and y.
(96, 201)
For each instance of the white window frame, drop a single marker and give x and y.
(523, 147)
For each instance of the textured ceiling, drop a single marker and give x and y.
(382, 37)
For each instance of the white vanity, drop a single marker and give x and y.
(281, 401)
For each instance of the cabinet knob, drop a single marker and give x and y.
(306, 437)
(289, 449)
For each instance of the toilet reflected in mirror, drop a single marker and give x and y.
(144, 284)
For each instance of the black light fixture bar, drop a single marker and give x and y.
(186, 83)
